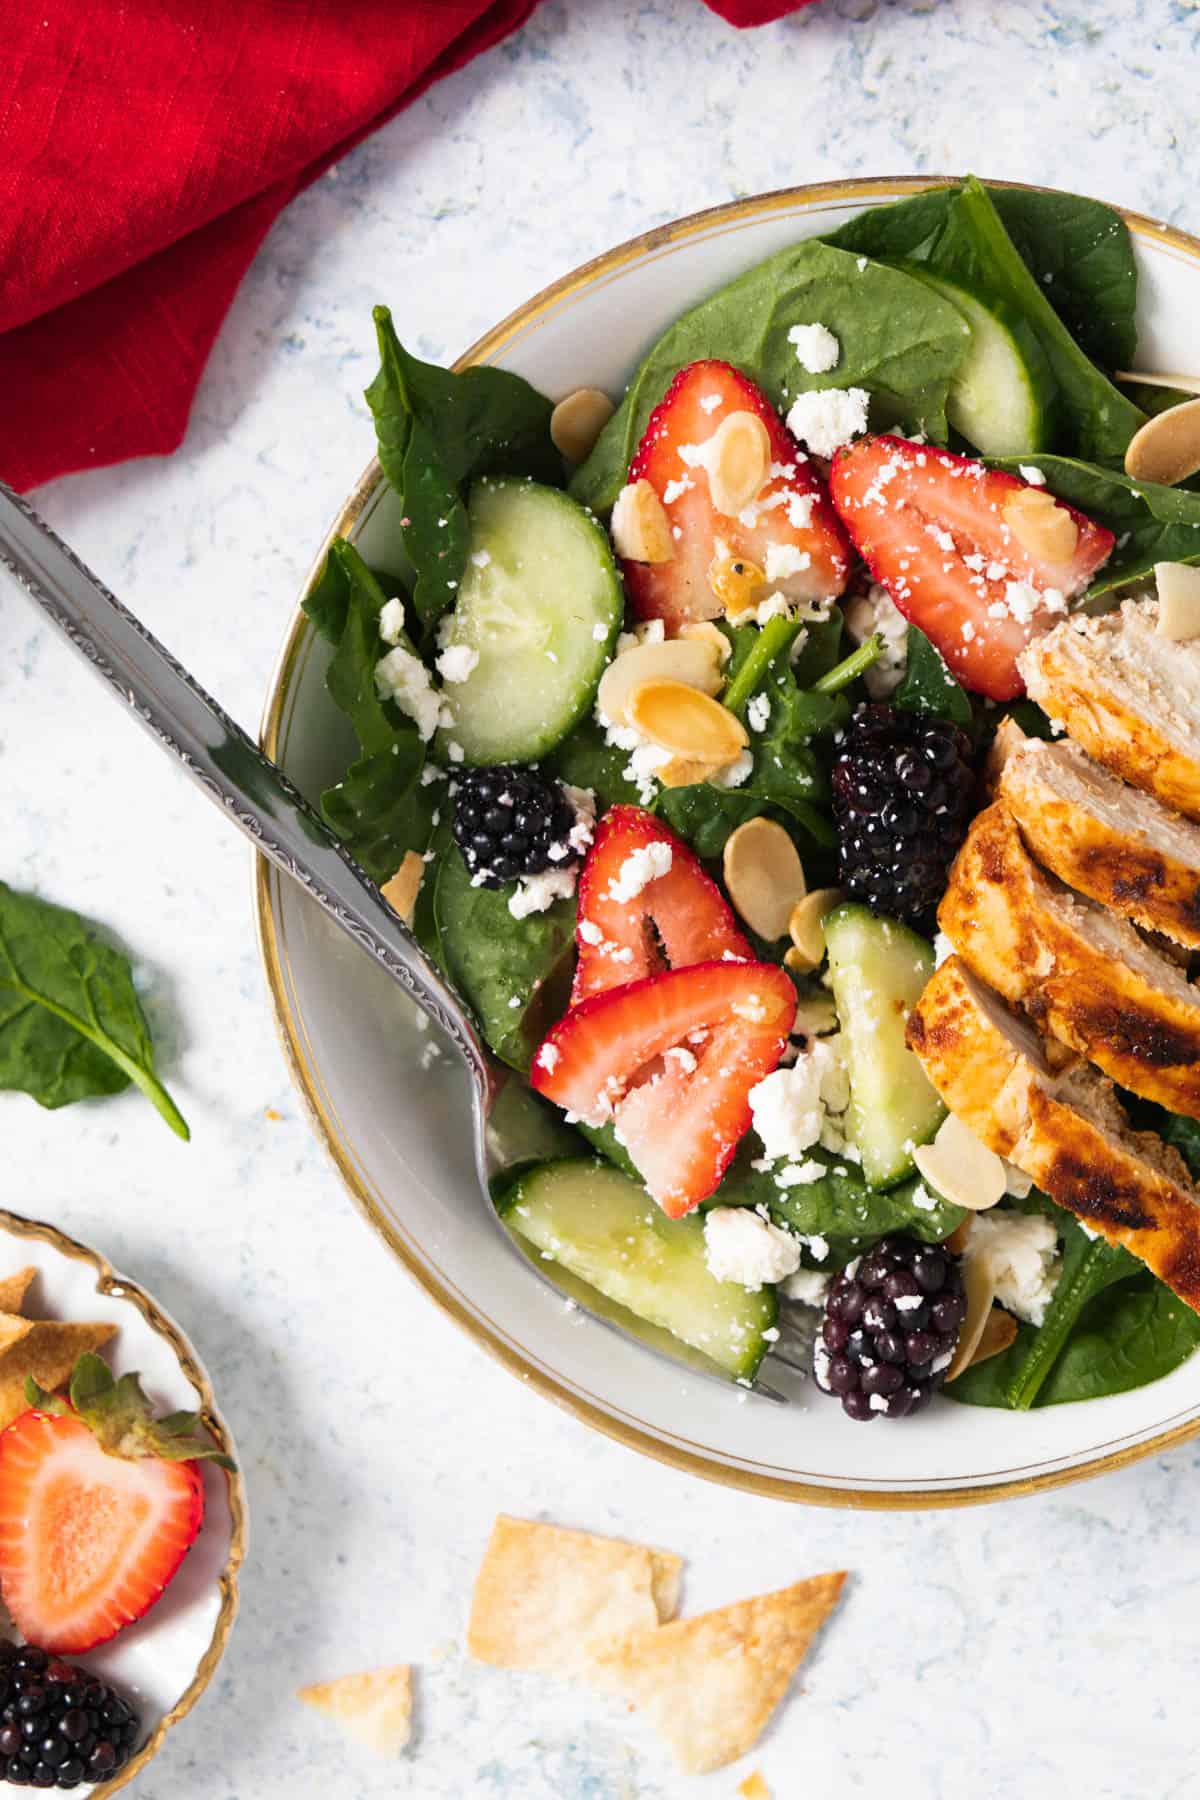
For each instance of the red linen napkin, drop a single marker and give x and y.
(145, 148)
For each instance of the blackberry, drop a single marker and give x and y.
(59, 1725)
(902, 787)
(510, 822)
(892, 1320)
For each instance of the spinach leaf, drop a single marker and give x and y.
(928, 686)
(897, 340)
(1152, 523)
(436, 432)
(1081, 253)
(1184, 1134)
(1133, 1333)
(840, 1206)
(584, 760)
(380, 809)
(904, 231)
(514, 973)
(704, 815)
(71, 1026)
(820, 651)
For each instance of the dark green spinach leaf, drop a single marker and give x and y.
(929, 687)
(840, 1206)
(437, 431)
(71, 1025)
(584, 760)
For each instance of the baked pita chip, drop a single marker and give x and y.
(13, 1330)
(374, 1707)
(48, 1351)
(710, 1684)
(13, 1289)
(545, 1595)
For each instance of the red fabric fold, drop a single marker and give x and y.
(146, 146)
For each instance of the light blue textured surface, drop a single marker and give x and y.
(1035, 1648)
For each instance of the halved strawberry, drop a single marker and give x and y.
(671, 1061)
(931, 526)
(98, 1507)
(790, 530)
(679, 917)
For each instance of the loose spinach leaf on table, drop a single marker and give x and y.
(71, 1025)
(897, 339)
(928, 686)
(1152, 523)
(380, 809)
(437, 431)
(514, 973)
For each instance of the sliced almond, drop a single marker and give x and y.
(980, 1290)
(806, 924)
(684, 771)
(1040, 525)
(401, 891)
(682, 719)
(1167, 448)
(961, 1168)
(738, 457)
(641, 530)
(1182, 384)
(705, 632)
(999, 1331)
(764, 876)
(694, 663)
(577, 422)
(1178, 600)
(736, 582)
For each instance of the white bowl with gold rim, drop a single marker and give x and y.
(164, 1662)
(393, 1119)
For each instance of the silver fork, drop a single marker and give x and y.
(258, 798)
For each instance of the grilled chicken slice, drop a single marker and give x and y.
(1110, 841)
(1084, 975)
(1065, 1129)
(1130, 697)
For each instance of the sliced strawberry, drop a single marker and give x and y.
(679, 917)
(97, 1510)
(791, 515)
(931, 527)
(671, 1061)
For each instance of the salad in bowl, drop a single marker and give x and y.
(794, 763)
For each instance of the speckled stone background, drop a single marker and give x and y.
(1037, 1648)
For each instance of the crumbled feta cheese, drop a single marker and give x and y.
(639, 869)
(536, 893)
(454, 751)
(403, 677)
(740, 1246)
(391, 621)
(828, 417)
(1023, 600)
(817, 350)
(876, 612)
(734, 773)
(790, 1106)
(800, 1174)
(1033, 476)
(799, 510)
(675, 490)
(548, 1058)
(455, 664)
(590, 932)
(583, 800)
(808, 1286)
(1022, 1253)
(784, 560)
(709, 402)
(758, 713)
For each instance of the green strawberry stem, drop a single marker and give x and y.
(120, 1418)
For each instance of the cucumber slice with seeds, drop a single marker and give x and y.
(605, 1228)
(540, 607)
(879, 969)
(1003, 395)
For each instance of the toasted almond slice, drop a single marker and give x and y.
(806, 927)
(705, 632)
(736, 582)
(681, 718)
(684, 771)
(577, 422)
(961, 1168)
(737, 457)
(980, 1289)
(1041, 525)
(764, 876)
(999, 1331)
(401, 891)
(694, 663)
(1178, 600)
(1167, 448)
(640, 528)
(1183, 384)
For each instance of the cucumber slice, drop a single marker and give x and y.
(605, 1228)
(878, 969)
(540, 606)
(1003, 396)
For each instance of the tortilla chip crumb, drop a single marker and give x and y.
(13, 1289)
(544, 1595)
(374, 1707)
(755, 1787)
(710, 1684)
